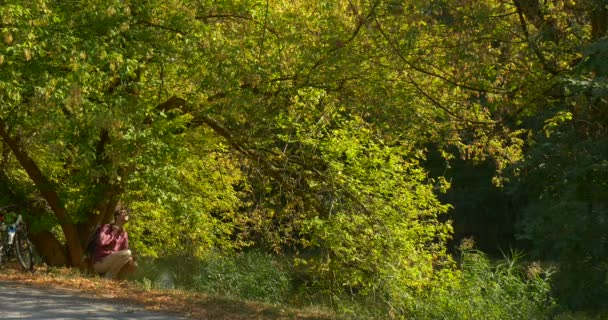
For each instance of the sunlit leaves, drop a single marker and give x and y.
(328, 108)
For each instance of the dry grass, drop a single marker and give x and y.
(579, 316)
(190, 304)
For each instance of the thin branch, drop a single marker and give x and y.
(237, 17)
(354, 34)
(442, 107)
(465, 43)
(162, 80)
(158, 26)
(433, 74)
(263, 32)
(535, 49)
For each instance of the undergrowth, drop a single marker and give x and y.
(507, 290)
(250, 276)
(479, 289)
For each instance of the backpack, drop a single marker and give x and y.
(93, 241)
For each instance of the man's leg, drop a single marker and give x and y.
(129, 268)
(111, 265)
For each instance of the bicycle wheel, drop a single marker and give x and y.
(3, 245)
(24, 250)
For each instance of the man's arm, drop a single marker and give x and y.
(123, 241)
(105, 236)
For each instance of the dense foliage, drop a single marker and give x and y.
(304, 129)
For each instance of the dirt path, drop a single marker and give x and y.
(63, 293)
(23, 301)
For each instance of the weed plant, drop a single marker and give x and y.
(249, 276)
(504, 291)
(507, 290)
(252, 276)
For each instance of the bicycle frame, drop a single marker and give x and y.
(8, 234)
(13, 228)
(13, 237)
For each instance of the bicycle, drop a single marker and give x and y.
(14, 239)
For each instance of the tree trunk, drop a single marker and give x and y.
(105, 195)
(49, 193)
(599, 22)
(47, 246)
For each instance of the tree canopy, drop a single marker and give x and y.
(300, 127)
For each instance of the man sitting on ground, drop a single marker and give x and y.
(112, 254)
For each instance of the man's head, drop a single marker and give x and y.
(121, 215)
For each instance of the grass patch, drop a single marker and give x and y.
(255, 285)
(193, 305)
(508, 290)
(249, 276)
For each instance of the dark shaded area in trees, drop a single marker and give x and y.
(481, 211)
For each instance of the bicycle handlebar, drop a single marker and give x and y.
(14, 224)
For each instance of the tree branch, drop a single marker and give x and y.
(442, 107)
(47, 190)
(158, 26)
(430, 73)
(362, 21)
(237, 17)
(534, 47)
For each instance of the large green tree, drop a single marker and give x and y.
(561, 185)
(316, 115)
(97, 95)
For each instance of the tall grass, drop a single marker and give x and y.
(506, 290)
(250, 276)
(254, 275)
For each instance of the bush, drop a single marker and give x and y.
(252, 275)
(482, 291)
(478, 290)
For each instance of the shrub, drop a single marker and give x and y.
(252, 275)
(482, 291)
